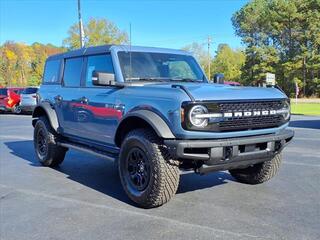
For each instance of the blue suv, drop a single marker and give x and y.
(153, 112)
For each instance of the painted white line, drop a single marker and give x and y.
(302, 164)
(100, 206)
(307, 139)
(13, 137)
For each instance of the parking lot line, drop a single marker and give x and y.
(302, 164)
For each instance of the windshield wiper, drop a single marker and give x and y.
(185, 80)
(151, 79)
(162, 79)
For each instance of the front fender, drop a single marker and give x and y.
(154, 120)
(45, 109)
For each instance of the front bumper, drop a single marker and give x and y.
(230, 153)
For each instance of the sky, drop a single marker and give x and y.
(171, 24)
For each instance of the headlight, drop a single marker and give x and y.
(195, 116)
(285, 110)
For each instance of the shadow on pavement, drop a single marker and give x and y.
(313, 124)
(102, 175)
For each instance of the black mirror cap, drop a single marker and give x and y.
(218, 78)
(103, 79)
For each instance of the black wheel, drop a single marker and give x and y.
(258, 173)
(44, 138)
(17, 109)
(148, 175)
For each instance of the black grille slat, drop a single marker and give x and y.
(246, 123)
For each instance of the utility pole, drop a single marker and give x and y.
(209, 58)
(80, 26)
(304, 76)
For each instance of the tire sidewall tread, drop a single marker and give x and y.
(164, 177)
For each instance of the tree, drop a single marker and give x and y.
(282, 37)
(97, 32)
(200, 54)
(226, 60)
(229, 62)
(22, 65)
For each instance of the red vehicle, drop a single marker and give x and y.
(10, 99)
(232, 83)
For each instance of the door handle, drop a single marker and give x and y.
(84, 100)
(58, 98)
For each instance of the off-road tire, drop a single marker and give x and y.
(54, 154)
(258, 173)
(164, 172)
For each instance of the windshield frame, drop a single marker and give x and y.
(117, 67)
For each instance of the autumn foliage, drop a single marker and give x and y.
(22, 65)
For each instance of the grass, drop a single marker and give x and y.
(305, 108)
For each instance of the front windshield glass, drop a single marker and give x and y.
(147, 66)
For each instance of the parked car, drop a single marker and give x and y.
(231, 83)
(28, 99)
(3, 98)
(153, 112)
(10, 99)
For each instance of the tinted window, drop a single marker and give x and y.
(72, 72)
(3, 91)
(51, 72)
(30, 90)
(99, 63)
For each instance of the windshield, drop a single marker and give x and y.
(147, 66)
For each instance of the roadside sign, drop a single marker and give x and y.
(270, 79)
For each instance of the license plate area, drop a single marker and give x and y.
(220, 155)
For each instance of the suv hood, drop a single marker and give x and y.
(207, 91)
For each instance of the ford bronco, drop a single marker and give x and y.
(153, 112)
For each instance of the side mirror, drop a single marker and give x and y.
(218, 78)
(103, 79)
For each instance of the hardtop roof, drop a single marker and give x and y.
(81, 52)
(106, 48)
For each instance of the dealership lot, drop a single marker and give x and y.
(83, 198)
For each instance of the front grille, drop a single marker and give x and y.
(249, 106)
(246, 123)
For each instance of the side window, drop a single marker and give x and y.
(51, 72)
(100, 63)
(72, 72)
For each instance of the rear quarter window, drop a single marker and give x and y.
(51, 72)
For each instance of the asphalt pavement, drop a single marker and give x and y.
(83, 198)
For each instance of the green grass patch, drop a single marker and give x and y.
(305, 108)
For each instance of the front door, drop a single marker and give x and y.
(95, 112)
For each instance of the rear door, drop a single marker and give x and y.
(69, 94)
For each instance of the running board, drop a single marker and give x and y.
(89, 150)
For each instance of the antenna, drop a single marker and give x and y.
(130, 44)
(209, 58)
(80, 26)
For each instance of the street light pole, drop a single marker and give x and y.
(80, 26)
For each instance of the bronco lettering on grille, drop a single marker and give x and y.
(249, 113)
